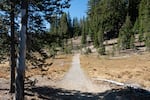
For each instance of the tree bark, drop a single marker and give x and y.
(13, 50)
(22, 52)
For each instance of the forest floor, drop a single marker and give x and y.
(59, 81)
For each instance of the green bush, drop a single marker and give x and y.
(87, 51)
(101, 50)
(147, 41)
(68, 50)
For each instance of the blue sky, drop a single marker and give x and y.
(78, 8)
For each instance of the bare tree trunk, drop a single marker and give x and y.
(13, 50)
(22, 52)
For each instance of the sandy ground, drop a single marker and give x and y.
(129, 69)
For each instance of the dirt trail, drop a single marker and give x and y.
(75, 79)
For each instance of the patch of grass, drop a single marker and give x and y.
(134, 69)
(60, 65)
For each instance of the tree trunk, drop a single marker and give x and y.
(13, 50)
(22, 52)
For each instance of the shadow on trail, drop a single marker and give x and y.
(48, 93)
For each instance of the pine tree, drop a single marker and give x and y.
(4, 40)
(41, 12)
(136, 26)
(13, 47)
(76, 27)
(95, 24)
(69, 20)
(132, 40)
(8, 9)
(106, 18)
(83, 30)
(101, 47)
(64, 25)
(144, 22)
(125, 35)
(64, 30)
(132, 7)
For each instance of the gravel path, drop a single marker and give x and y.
(76, 79)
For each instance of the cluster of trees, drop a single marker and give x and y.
(63, 28)
(31, 16)
(108, 19)
(143, 22)
(119, 18)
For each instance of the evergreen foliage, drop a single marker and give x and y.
(76, 27)
(147, 42)
(83, 31)
(107, 13)
(101, 47)
(37, 11)
(64, 26)
(133, 11)
(4, 44)
(126, 36)
(144, 22)
(136, 26)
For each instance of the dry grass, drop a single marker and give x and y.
(134, 69)
(55, 71)
(4, 70)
